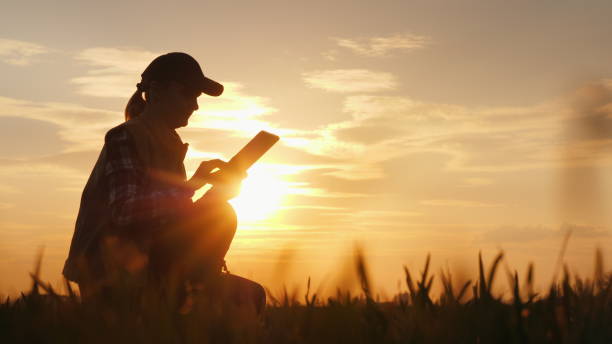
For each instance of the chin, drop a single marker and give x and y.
(180, 122)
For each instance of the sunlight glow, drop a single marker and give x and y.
(263, 190)
(261, 195)
(195, 156)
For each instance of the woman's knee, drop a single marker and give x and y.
(225, 221)
(219, 213)
(228, 213)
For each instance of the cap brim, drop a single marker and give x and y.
(211, 87)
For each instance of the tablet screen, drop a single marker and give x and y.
(253, 150)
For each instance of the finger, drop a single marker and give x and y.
(212, 162)
(216, 178)
(211, 165)
(216, 163)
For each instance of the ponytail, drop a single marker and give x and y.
(136, 104)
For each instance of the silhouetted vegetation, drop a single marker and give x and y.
(573, 310)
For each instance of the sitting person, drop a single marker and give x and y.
(136, 215)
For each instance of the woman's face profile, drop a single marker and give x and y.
(177, 102)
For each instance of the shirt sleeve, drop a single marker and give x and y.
(131, 202)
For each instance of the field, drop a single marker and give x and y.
(573, 310)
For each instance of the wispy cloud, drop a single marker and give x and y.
(8, 189)
(471, 139)
(384, 45)
(510, 234)
(350, 80)
(19, 53)
(473, 182)
(5, 206)
(478, 139)
(522, 234)
(330, 55)
(82, 127)
(459, 203)
(115, 71)
(381, 127)
(585, 231)
(234, 111)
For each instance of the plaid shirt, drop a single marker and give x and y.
(130, 200)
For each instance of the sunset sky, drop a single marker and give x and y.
(409, 127)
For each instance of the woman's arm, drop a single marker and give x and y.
(131, 203)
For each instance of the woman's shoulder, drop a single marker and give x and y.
(116, 133)
(126, 130)
(131, 135)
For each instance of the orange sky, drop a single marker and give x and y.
(409, 127)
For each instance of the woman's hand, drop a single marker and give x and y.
(226, 184)
(203, 174)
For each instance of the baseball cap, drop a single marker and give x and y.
(183, 68)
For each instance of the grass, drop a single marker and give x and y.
(573, 310)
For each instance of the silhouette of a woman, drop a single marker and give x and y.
(136, 217)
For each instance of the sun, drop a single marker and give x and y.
(263, 192)
(261, 195)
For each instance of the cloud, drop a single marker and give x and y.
(235, 112)
(350, 80)
(5, 206)
(57, 188)
(384, 46)
(584, 231)
(19, 53)
(368, 134)
(471, 139)
(402, 109)
(8, 189)
(521, 234)
(459, 203)
(380, 128)
(474, 138)
(115, 73)
(80, 126)
(330, 55)
(473, 182)
(505, 234)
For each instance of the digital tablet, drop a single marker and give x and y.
(253, 150)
